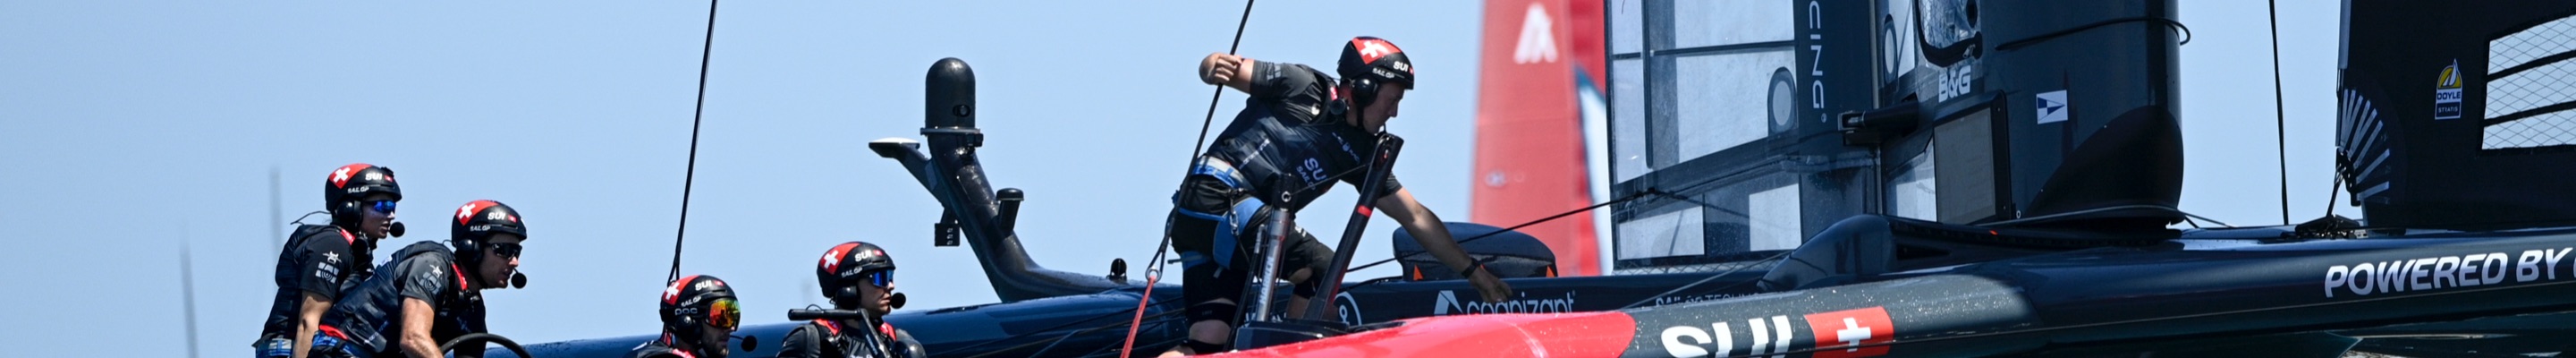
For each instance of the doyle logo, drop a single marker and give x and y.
(2445, 272)
(1768, 336)
(1538, 37)
(1845, 333)
(1448, 304)
(2446, 93)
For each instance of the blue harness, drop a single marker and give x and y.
(1230, 224)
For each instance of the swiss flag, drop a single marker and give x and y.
(1840, 333)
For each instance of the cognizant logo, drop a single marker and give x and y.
(1448, 303)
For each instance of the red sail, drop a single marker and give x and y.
(1530, 160)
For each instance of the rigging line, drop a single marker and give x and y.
(2280, 121)
(705, 53)
(1774, 259)
(1154, 267)
(1213, 96)
(2186, 215)
(1634, 196)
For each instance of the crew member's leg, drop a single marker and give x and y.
(1207, 288)
(1309, 259)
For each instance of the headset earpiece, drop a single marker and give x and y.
(346, 210)
(1363, 92)
(468, 247)
(848, 294)
(689, 327)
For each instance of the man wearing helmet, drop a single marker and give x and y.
(856, 276)
(319, 262)
(699, 314)
(1306, 130)
(427, 294)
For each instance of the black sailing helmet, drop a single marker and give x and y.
(693, 303)
(848, 265)
(474, 225)
(346, 185)
(1376, 59)
(1369, 62)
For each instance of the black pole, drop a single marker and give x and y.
(1387, 148)
(2280, 121)
(690, 179)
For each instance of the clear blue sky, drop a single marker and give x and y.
(130, 128)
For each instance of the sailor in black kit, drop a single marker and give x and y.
(856, 276)
(1303, 129)
(699, 314)
(319, 262)
(426, 294)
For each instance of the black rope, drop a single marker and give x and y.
(1219, 93)
(705, 52)
(1154, 268)
(1198, 146)
(1774, 257)
(1634, 196)
(2280, 121)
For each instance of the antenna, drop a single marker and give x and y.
(188, 284)
(276, 210)
(690, 179)
(2280, 121)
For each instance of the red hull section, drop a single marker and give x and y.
(1529, 125)
(1596, 334)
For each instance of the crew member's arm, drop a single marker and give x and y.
(417, 316)
(320, 257)
(309, 321)
(1434, 236)
(911, 347)
(801, 342)
(1227, 70)
(423, 281)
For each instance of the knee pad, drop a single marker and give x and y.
(1217, 310)
(1197, 347)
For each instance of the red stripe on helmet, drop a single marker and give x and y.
(672, 295)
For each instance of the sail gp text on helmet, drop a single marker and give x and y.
(2433, 273)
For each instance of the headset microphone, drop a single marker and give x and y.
(396, 230)
(749, 343)
(897, 301)
(520, 280)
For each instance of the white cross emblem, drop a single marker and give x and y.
(1851, 334)
(830, 262)
(466, 211)
(1373, 49)
(340, 176)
